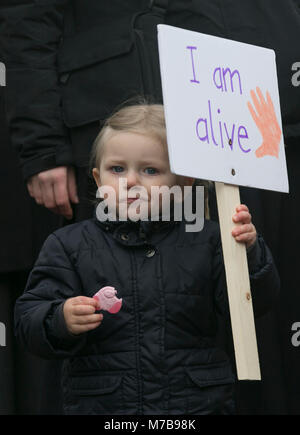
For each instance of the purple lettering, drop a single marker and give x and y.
(220, 84)
(221, 133)
(232, 74)
(207, 130)
(243, 136)
(202, 138)
(211, 124)
(230, 139)
(193, 65)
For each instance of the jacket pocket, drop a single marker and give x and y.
(95, 395)
(101, 68)
(210, 389)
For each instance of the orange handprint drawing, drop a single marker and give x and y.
(267, 123)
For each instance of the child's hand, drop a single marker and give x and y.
(79, 314)
(245, 232)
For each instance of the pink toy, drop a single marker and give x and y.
(107, 300)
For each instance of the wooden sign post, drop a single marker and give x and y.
(223, 120)
(238, 286)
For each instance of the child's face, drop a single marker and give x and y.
(139, 159)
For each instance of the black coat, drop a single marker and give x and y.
(158, 355)
(69, 65)
(24, 225)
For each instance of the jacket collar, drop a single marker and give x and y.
(135, 233)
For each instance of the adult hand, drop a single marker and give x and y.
(55, 189)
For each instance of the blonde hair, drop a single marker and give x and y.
(143, 118)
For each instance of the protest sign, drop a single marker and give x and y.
(222, 106)
(223, 122)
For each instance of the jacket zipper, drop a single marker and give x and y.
(164, 379)
(137, 335)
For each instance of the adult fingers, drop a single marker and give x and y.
(48, 195)
(72, 187)
(62, 195)
(36, 190)
(43, 188)
(29, 187)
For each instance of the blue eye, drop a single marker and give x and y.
(117, 168)
(151, 171)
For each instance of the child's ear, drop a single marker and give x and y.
(96, 175)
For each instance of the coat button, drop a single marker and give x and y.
(124, 237)
(64, 78)
(150, 253)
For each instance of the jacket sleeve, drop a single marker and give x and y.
(39, 321)
(264, 279)
(30, 33)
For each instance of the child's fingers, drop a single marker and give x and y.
(84, 320)
(245, 234)
(84, 300)
(82, 310)
(242, 207)
(81, 305)
(243, 229)
(245, 237)
(242, 217)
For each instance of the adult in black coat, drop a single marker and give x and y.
(69, 66)
(24, 227)
(65, 58)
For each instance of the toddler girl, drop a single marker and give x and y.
(158, 354)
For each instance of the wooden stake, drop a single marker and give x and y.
(238, 286)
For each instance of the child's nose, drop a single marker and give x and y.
(132, 178)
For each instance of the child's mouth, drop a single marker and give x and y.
(130, 199)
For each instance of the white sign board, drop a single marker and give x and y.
(222, 110)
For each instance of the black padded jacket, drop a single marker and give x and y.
(158, 354)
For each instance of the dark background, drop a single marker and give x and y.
(28, 385)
